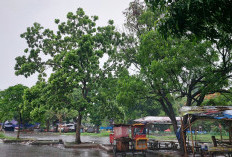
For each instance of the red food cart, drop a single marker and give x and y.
(124, 143)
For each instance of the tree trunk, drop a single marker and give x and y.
(178, 134)
(60, 125)
(97, 129)
(182, 140)
(47, 125)
(168, 109)
(230, 133)
(78, 129)
(20, 121)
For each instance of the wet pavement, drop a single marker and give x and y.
(19, 150)
(25, 150)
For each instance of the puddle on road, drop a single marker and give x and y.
(26, 150)
(16, 150)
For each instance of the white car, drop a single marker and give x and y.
(70, 126)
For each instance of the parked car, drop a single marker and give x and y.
(71, 127)
(8, 127)
(91, 130)
(17, 128)
(62, 128)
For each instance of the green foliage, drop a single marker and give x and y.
(219, 100)
(35, 102)
(11, 103)
(173, 68)
(201, 18)
(73, 53)
(199, 21)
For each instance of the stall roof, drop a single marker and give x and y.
(211, 112)
(155, 120)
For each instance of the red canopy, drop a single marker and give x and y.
(168, 130)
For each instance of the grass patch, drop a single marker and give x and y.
(101, 134)
(199, 137)
(160, 137)
(164, 137)
(3, 136)
(207, 137)
(11, 138)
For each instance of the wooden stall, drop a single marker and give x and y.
(217, 113)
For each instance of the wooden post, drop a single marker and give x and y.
(195, 137)
(182, 131)
(230, 132)
(220, 127)
(148, 129)
(190, 127)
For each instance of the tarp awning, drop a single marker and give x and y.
(211, 112)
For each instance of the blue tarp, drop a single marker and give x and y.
(211, 112)
(198, 132)
(226, 114)
(106, 128)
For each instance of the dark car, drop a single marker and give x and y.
(8, 127)
(90, 130)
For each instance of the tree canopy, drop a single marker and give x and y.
(209, 19)
(73, 53)
(170, 65)
(11, 105)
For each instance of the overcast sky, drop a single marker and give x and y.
(17, 15)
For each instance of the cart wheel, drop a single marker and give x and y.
(115, 150)
(133, 146)
(144, 153)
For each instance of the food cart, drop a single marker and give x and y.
(138, 135)
(126, 143)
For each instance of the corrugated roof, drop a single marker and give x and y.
(155, 119)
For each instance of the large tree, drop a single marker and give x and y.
(172, 67)
(198, 20)
(73, 52)
(12, 104)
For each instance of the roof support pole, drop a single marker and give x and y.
(220, 126)
(190, 127)
(230, 132)
(182, 132)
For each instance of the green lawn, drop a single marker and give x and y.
(101, 134)
(201, 138)
(207, 137)
(3, 136)
(161, 136)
